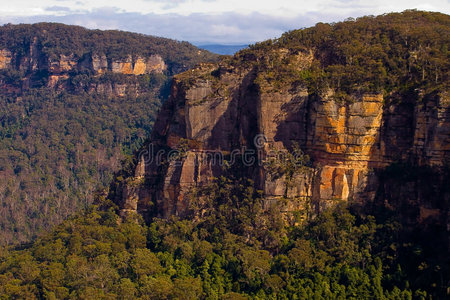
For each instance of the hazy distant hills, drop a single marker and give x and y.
(223, 49)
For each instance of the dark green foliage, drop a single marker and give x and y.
(337, 255)
(55, 149)
(397, 52)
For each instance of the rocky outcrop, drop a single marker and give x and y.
(5, 58)
(139, 66)
(35, 65)
(223, 112)
(62, 64)
(96, 63)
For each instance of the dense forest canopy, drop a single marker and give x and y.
(235, 251)
(398, 52)
(56, 149)
(57, 145)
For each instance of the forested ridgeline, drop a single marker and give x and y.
(54, 39)
(61, 140)
(390, 53)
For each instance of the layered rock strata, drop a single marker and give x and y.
(34, 65)
(223, 110)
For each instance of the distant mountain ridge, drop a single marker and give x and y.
(48, 53)
(223, 49)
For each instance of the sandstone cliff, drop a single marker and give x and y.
(222, 108)
(59, 68)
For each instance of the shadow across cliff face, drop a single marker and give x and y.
(293, 122)
(415, 183)
(419, 194)
(235, 131)
(165, 190)
(397, 132)
(237, 126)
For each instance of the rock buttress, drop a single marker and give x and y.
(220, 110)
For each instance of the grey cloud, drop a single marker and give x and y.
(58, 8)
(225, 28)
(175, 2)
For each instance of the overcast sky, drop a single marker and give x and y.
(204, 21)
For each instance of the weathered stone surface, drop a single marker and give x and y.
(154, 63)
(5, 58)
(138, 66)
(115, 89)
(54, 79)
(219, 110)
(99, 63)
(432, 133)
(59, 67)
(62, 64)
(122, 66)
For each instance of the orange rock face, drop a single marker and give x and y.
(5, 58)
(60, 66)
(349, 142)
(54, 79)
(139, 65)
